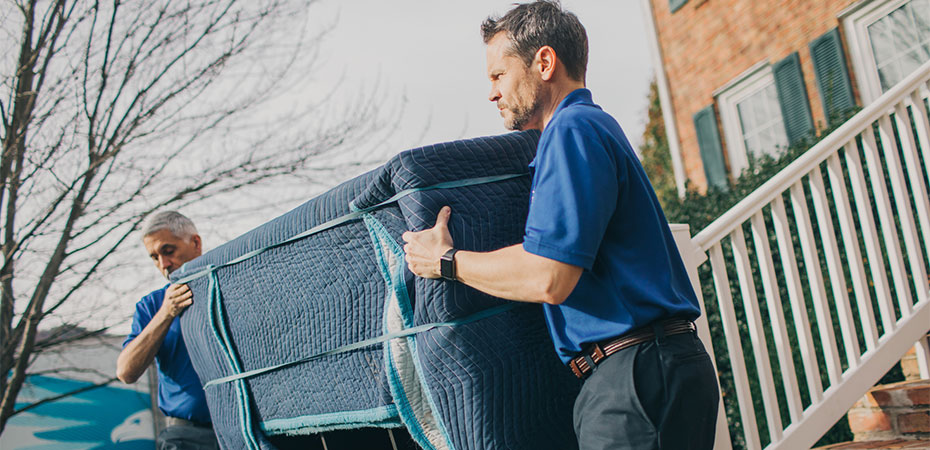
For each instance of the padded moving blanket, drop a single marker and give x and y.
(312, 322)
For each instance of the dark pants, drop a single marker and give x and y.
(660, 394)
(186, 437)
(360, 439)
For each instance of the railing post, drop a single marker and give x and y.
(693, 257)
(922, 348)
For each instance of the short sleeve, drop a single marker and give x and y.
(575, 188)
(140, 319)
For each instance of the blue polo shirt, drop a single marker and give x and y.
(592, 206)
(179, 391)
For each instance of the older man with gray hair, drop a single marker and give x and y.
(171, 240)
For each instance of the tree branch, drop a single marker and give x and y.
(56, 339)
(6, 123)
(65, 395)
(69, 370)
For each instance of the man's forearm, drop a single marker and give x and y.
(513, 273)
(141, 351)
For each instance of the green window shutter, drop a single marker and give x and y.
(792, 95)
(832, 75)
(675, 5)
(705, 122)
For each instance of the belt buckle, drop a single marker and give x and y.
(589, 360)
(573, 364)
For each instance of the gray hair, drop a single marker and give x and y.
(531, 26)
(178, 224)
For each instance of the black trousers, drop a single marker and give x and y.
(658, 395)
(360, 439)
(186, 437)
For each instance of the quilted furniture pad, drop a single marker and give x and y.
(472, 382)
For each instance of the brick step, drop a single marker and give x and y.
(918, 444)
(892, 411)
(909, 364)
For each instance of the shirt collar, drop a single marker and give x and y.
(578, 96)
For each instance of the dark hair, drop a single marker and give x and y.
(531, 26)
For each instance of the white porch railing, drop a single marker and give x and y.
(858, 263)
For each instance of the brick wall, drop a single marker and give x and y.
(894, 411)
(708, 43)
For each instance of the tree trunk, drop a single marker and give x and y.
(14, 147)
(34, 313)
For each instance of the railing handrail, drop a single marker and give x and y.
(783, 180)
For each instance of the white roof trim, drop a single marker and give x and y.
(668, 112)
(741, 77)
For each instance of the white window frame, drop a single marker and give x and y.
(856, 20)
(728, 97)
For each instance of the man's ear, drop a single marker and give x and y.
(545, 62)
(198, 243)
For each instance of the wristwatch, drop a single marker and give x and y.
(447, 265)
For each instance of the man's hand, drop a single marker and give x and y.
(177, 298)
(424, 248)
(510, 273)
(141, 351)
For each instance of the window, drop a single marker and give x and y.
(752, 117)
(899, 42)
(760, 121)
(888, 39)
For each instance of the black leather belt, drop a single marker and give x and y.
(599, 351)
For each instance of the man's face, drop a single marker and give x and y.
(513, 86)
(169, 252)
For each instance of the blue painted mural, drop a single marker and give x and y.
(104, 418)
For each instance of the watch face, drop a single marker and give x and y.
(447, 265)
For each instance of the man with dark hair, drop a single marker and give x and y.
(171, 240)
(597, 250)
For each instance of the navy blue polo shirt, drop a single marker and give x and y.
(592, 206)
(179, 391)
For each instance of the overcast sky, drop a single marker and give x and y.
(431, 53)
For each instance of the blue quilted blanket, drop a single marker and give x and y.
(468, 371)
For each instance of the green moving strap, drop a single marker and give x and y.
(354, 215)
(217, 321)
(367, 343)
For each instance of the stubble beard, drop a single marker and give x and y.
(523, 114)
(520, 118)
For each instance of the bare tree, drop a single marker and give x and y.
(112, 109)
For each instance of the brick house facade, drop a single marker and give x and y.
(739, 78)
